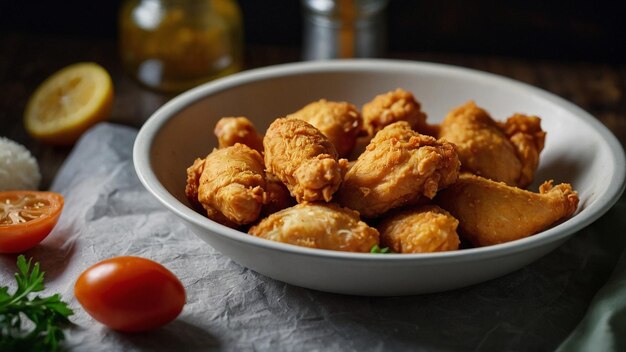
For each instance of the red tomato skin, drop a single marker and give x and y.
(22, 237)
(130, 294)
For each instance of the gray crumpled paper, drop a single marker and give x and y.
(108, 213)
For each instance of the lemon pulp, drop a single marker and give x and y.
(68, 103)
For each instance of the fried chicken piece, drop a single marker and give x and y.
(526, 135)
(420, 230)
(318, 225)
(231, 130)
(340, 122)
(491, 212)
(194, 172)
(398, 167)
(231, 184)
(385, 109)
(303, 159)
(483, 148)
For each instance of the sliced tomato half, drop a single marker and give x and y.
(26, 218)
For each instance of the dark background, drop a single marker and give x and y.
(572, 30)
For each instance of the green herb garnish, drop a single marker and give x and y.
(31, 324)
(378, 250)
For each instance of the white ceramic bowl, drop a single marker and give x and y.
(579, 150)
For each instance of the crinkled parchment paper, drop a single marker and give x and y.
(108, 213)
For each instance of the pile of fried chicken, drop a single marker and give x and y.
(414, 188)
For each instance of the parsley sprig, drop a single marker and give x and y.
(31, 324)
(376, 249)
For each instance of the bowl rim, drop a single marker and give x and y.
(145, 137)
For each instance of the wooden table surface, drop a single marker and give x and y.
(26, 60)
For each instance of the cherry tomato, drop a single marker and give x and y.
(130, 294)
(26, 218)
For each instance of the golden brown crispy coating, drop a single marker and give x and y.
(420, 230)
(231, 130)
(526, 135)
(385, 109)
(492, 212)
(231, 190)
(318, 225)
(483, 148)
(339, 121)
(398, 167)
(194, 172)
(303, 159)
(193, 181)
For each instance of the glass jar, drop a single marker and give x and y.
(173, 45)
(344, 28)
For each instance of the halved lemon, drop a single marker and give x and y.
(69, 102)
